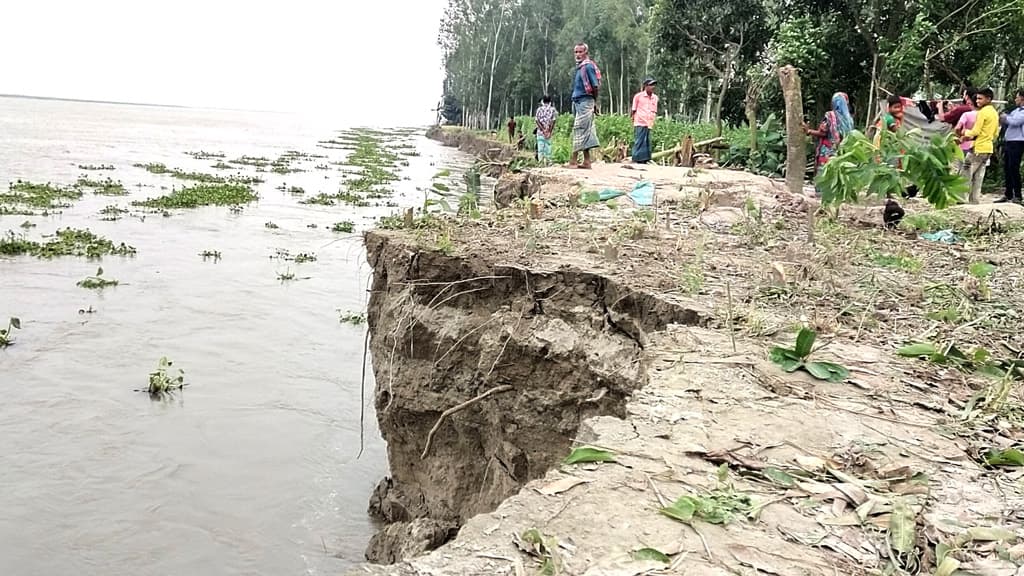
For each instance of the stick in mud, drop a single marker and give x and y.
(454, 409)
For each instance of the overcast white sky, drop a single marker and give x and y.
(349, 58)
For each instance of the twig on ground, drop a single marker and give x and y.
(732, 333)
(704, 541)
(657, 492)
(457, 408)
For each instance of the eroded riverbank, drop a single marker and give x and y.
(645, 333)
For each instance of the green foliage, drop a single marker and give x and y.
(162, 383)
(856, 169)
(1008, 457)
(585, 454)
(105, 187)
(717, 506)
(95, 167)
(345, 227)
(980, 361)
(650, 554)
(350, 317)
(97, 282)
(30, 195)
(796, 358)
(202, 195)
(67, 242)
(5, 334)
(770, 156)
(615, 128)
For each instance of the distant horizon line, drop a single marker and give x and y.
(123, 103)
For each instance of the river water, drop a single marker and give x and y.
(253, 469)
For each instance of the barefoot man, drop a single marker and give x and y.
(585, 89)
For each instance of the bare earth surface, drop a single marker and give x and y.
(884, 472)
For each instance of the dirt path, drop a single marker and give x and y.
(786, 474)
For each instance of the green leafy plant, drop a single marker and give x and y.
(353, 318)
(345, 226)
(981, 360)
(899, 160)
(717, 506)
(162, 383)
(66, 242)
(770, 156)
(544, 548)
(797, 358)
(105, 187)
(1007, 457)
(97, 282)
(5, 334)
(202, 195)
(586, 454)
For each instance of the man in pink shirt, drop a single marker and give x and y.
(644, 111)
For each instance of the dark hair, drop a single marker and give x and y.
(987, 93)
(894, 100)
(1020, 92)
(546, 99)
(971, 91)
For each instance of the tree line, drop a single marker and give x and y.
(716, 61)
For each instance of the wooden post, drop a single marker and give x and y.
(796, 149)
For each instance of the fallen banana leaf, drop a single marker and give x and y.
(901, 527)
(982, 534)
(779, 477)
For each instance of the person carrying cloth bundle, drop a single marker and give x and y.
(644, 112)
(585, 89)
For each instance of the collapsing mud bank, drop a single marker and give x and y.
(502, 343)
(528, 353)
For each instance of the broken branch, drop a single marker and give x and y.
(457, 408)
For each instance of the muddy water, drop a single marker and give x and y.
(254, 468)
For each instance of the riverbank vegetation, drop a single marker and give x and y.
(715, 62)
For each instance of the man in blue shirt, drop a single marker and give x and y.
(1014, 148)
(585, 89)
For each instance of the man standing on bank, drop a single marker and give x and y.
(644, 112)
(1014, 148)
(585, 89)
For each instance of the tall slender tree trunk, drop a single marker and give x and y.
(494, 59)
(622, 79)
(708, 103)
